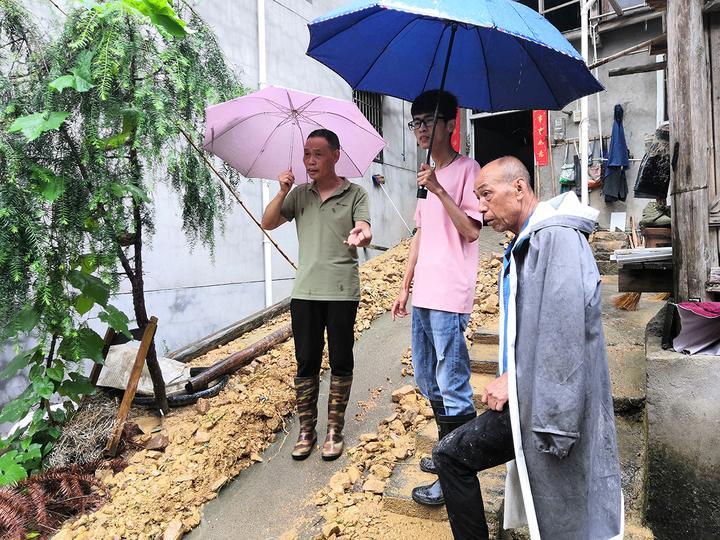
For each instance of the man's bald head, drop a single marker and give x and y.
(505, 195)
(510, 169)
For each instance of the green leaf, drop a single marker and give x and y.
(117, 320)
(19, 407)
(30, 451)
(50, 185)
(16, 364)
(161, 14)
(83, 64)
(56, 372)
(61, 83)
(10, 471)
(43, 387)
(88, 263)
(76, 386)
(90, 286)
(116, 141)
(81, 75)
(91, 344)
(24, 320)
(83, 304)
(119, 190)
(34, 125)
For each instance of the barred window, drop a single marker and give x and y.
(371, 106)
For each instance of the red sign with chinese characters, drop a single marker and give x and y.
(540, 137)
(455, 137)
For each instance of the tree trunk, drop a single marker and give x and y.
(138, 294)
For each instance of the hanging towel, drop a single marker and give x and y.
(615, 184)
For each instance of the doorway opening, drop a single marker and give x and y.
(504, 134)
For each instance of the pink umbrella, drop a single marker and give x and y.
(263, 134)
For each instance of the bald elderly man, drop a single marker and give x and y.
(550, 411)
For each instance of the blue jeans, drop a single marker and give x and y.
(440, 359)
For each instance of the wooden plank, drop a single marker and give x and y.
(690, 131)
(645, 280)
(229, 333)
(647, 43)
(107, 342)
(112, 444)
(713, 28)
(642, 68)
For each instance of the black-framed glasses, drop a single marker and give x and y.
(417, 123)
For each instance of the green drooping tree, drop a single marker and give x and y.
(90, 121)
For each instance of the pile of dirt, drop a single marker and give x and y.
(351, 503)
(198, 449)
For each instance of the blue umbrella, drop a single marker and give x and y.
(494, 55)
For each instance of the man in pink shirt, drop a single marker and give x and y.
(442, 268)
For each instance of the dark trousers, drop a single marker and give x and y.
(310, 318)
(482, 443)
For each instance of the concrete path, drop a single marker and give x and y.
(273, 496)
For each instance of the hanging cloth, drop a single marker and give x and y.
(653, 177)
(615, 184)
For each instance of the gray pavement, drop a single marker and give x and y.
(271, 497)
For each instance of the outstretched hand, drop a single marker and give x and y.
(356, 237)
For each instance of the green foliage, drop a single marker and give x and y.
(34, 125)
(90, 120)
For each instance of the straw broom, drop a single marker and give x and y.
(629, 301)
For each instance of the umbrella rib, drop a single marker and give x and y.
(264, 146)
(520, 42)
(308, 117)
(487, 68)
(385, 48)
(437, 48)
(344, 30)
(302, 138)
(235, 124)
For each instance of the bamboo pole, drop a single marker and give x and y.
(235, 194)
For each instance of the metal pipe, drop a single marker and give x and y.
(264, 186)
(597, 96)
(566, 4)
(660, 100)
(584, 116)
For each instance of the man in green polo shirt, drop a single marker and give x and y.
(332, 219)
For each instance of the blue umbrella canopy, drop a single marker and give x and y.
(504, 55)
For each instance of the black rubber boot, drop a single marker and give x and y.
(432, 495)
(426, 463)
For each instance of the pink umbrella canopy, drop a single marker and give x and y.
(263, 134)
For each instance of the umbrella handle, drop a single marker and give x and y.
(422, 191)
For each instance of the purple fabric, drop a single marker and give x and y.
(700, 328)
(710, 310)
(263, 134)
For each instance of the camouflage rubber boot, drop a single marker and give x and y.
(337, 403)
(306, 389)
